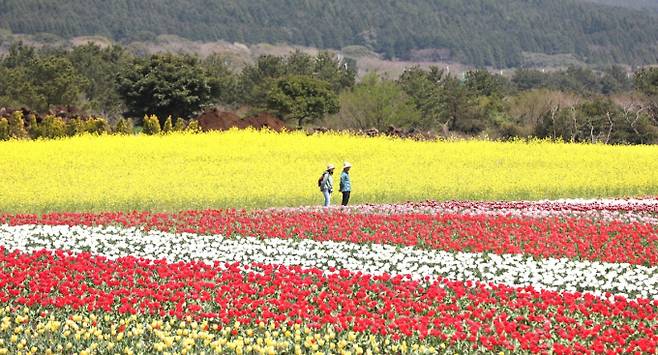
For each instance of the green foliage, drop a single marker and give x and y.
(483, 83)
(479, 32)
(300, 98)
(613, 79)
(22, 91)
(96, 125)
(39, 80)
(635, 4)
(55, 81)
(168, 126)
(646, 80)
(75, 126)
(4, 129)
(443, 99)
(33, 129)
(99, 66)
(377, 103)
(193, 126)
(597, 121)
(224, 83)
(17, 125)
(164, 85)
(180, 125)
(258, 80)
(52, 127)
(151, 125)
(124, 126)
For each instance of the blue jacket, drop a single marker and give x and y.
(345, 184)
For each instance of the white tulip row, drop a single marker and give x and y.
(631, 281)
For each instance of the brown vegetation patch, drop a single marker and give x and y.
(216, 120)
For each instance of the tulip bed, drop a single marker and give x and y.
(567, 276)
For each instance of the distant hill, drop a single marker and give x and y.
(634, 4)
(480, 32)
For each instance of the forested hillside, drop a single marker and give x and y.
(636, 4)
(479, 32)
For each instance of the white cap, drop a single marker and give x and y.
(330, 167)
(347, 165)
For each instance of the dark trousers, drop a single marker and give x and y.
(346, 197)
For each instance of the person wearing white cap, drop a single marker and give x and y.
(326, 184)
(345, 183)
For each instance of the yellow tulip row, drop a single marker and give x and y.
(28, 332)
(249, 169)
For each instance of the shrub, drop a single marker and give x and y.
(75, 126)
(52, 127)
(151, 125)
(124, 126)
(33, 130)
(180, 125)
(168, 125)
(193, 126)
(17, 125)
(97, 125)
(4, 129)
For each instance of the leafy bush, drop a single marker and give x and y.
(180, 125)
(193, 126)
(168, 126)
(4, 129)
(97, 125)
(151, 125)
(124, 126)
(74, 127)
(52, 127)
(17, 125)
(33, 129)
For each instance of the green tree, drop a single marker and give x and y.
(301, 98)
(224, 83)
(164, 85)
(19, 56)
(339, 73)
(378, 103)
(55, 80)
(256, 80)
(19, 90)
(646, 81)
(424, 89)
(99, 66)
(483, 83)
(529, 79)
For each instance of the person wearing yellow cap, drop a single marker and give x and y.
(345, 183)
(326, 183)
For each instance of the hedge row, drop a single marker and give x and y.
(51, 127)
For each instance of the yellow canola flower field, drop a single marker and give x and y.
(249, 169)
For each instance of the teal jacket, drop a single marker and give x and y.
(345, 184)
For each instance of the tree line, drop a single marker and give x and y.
(495, 33)
(577, 104)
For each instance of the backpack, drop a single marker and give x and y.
(320, 179)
